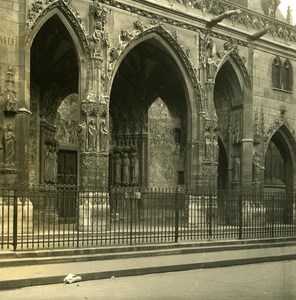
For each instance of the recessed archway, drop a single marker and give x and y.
(54, 75)
(147, 74)
(228, 100)
(279, 173)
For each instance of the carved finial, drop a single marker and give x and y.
(9, 97)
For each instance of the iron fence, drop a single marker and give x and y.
(68, 216)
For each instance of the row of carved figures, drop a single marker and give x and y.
(126, 168)
(257, 164)
(89, 135)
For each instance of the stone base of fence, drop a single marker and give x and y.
(24, 217)
(94, 211)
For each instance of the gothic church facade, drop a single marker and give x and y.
(147, 93)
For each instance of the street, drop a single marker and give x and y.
(266, 281)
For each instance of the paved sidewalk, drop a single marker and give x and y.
(14, 277)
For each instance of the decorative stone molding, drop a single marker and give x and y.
(258, 127)
(89, 106)
(247, 18)
(157, 19)
(9, 147)
(99, 38)
(276, 124)
(40, 8)
(140, 30)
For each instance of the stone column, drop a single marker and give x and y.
(247, 140)
(23, 124)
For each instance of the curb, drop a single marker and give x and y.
(58, 279)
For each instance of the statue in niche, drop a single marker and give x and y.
(47, 166)
(54, 176)
(211, 67)
(103, 137)
(134, 166)
(82, 136)
(92, 136)
(117, 169)
(207, 123)
(125, 169)
(236, 168)
(215, 148)
(9, 146)
(208, 147)
(257, 157)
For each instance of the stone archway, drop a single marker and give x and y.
(228, 101)
(146, 74)
(279, 172)
(54, 75)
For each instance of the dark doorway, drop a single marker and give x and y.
(222, 167)
(67, 179)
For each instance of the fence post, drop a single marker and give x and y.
(210, 215)
(272, 216)
(176, 217)
(15, 216)
(240, 215)
(130, 200)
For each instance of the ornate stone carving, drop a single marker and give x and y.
(235, 126)
(246, 17)
(50, 161)
(236, 168)
(100, 37)
(129, 37)
(9, 96)
(39, 9)
(103, 137)
(9, 147)
(258, 127)
(92, 136)
(82, 134)
(257, 158)
(89, 106)
(117, 168)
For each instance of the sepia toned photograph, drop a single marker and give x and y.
(148, 149)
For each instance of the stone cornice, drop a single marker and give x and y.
(247, 19)
(173, 17)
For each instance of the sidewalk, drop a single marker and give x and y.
(29, 275)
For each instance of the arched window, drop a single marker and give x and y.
(287, 76)
(276, 73)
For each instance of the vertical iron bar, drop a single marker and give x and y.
(176, 216)
(240, 217)
(210, 216)
(15, 208)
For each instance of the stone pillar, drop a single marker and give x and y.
(23, 124)
(247, 140)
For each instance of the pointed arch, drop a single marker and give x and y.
(287, 76)
(239, 67)
(69, 18)
(280, 159)
(276, 72)
(164, 38)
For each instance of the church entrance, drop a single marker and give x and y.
(148, 119)
(229, 108)
(67, 175)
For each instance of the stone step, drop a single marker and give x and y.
(37, 257)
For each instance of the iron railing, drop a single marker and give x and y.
(69, 216)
